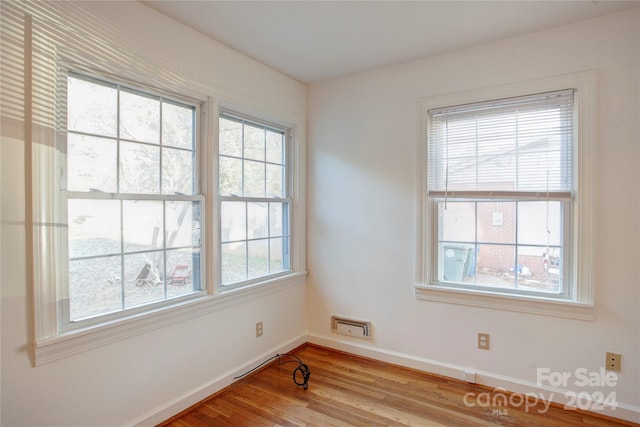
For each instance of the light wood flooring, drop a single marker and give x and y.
(345, 390)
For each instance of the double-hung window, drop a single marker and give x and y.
(254, 200)
(506, 195)
(132, 199)
(129, 234)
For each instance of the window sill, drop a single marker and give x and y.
(523, 304)
(73, 342)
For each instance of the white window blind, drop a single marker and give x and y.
(514, 145)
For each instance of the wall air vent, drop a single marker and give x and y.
(354, 328)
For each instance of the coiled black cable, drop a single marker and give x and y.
(300, 375)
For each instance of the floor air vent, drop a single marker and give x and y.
(355, 328)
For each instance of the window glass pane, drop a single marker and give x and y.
(139, 117)
(533, 269)
(540, 223)
(258, 220)
(457, 261)
(254, 182)
(182, 221)
(553, 263)
(91, 163)
(177, 171)
(91, 107)
(259, 173)
(234, 262)
(275, 175)
(177, 125)
(94, 287)
(458, 221)
(230, 176)
(142, 225)
(258, 258)
(491, 262)
(118, 248)
(94, 227)
(496, 222)
(143, 278)
(276, 219)
(275, 147)
(230, 138)
(139, 168)
(183, 272)
(254, 142)
(233, 221)
(495, 266)
(276, 255)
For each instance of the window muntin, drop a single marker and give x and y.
(500, 183)
(254, 200)
(132, 201)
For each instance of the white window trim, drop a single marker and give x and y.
(50, 342)
(581, 305)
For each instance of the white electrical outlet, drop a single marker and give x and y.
(483, 341)
(259, 329)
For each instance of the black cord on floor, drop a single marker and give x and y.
(300, 375)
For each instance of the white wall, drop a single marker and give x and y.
(156, 373)
(362, 203)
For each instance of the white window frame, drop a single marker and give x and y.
(48, 224)
(288, 184)
(579, 303)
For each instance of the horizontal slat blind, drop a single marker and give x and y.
(520, 144)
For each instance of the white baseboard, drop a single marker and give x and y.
(623, 411)
(184, 401)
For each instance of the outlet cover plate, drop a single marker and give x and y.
(613, 362)
(483, 341)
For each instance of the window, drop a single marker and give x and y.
(500, 178)
(254, 200)
(124, 195)
(132, 199)
(507, 193)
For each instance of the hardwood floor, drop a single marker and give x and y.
(346, 390)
